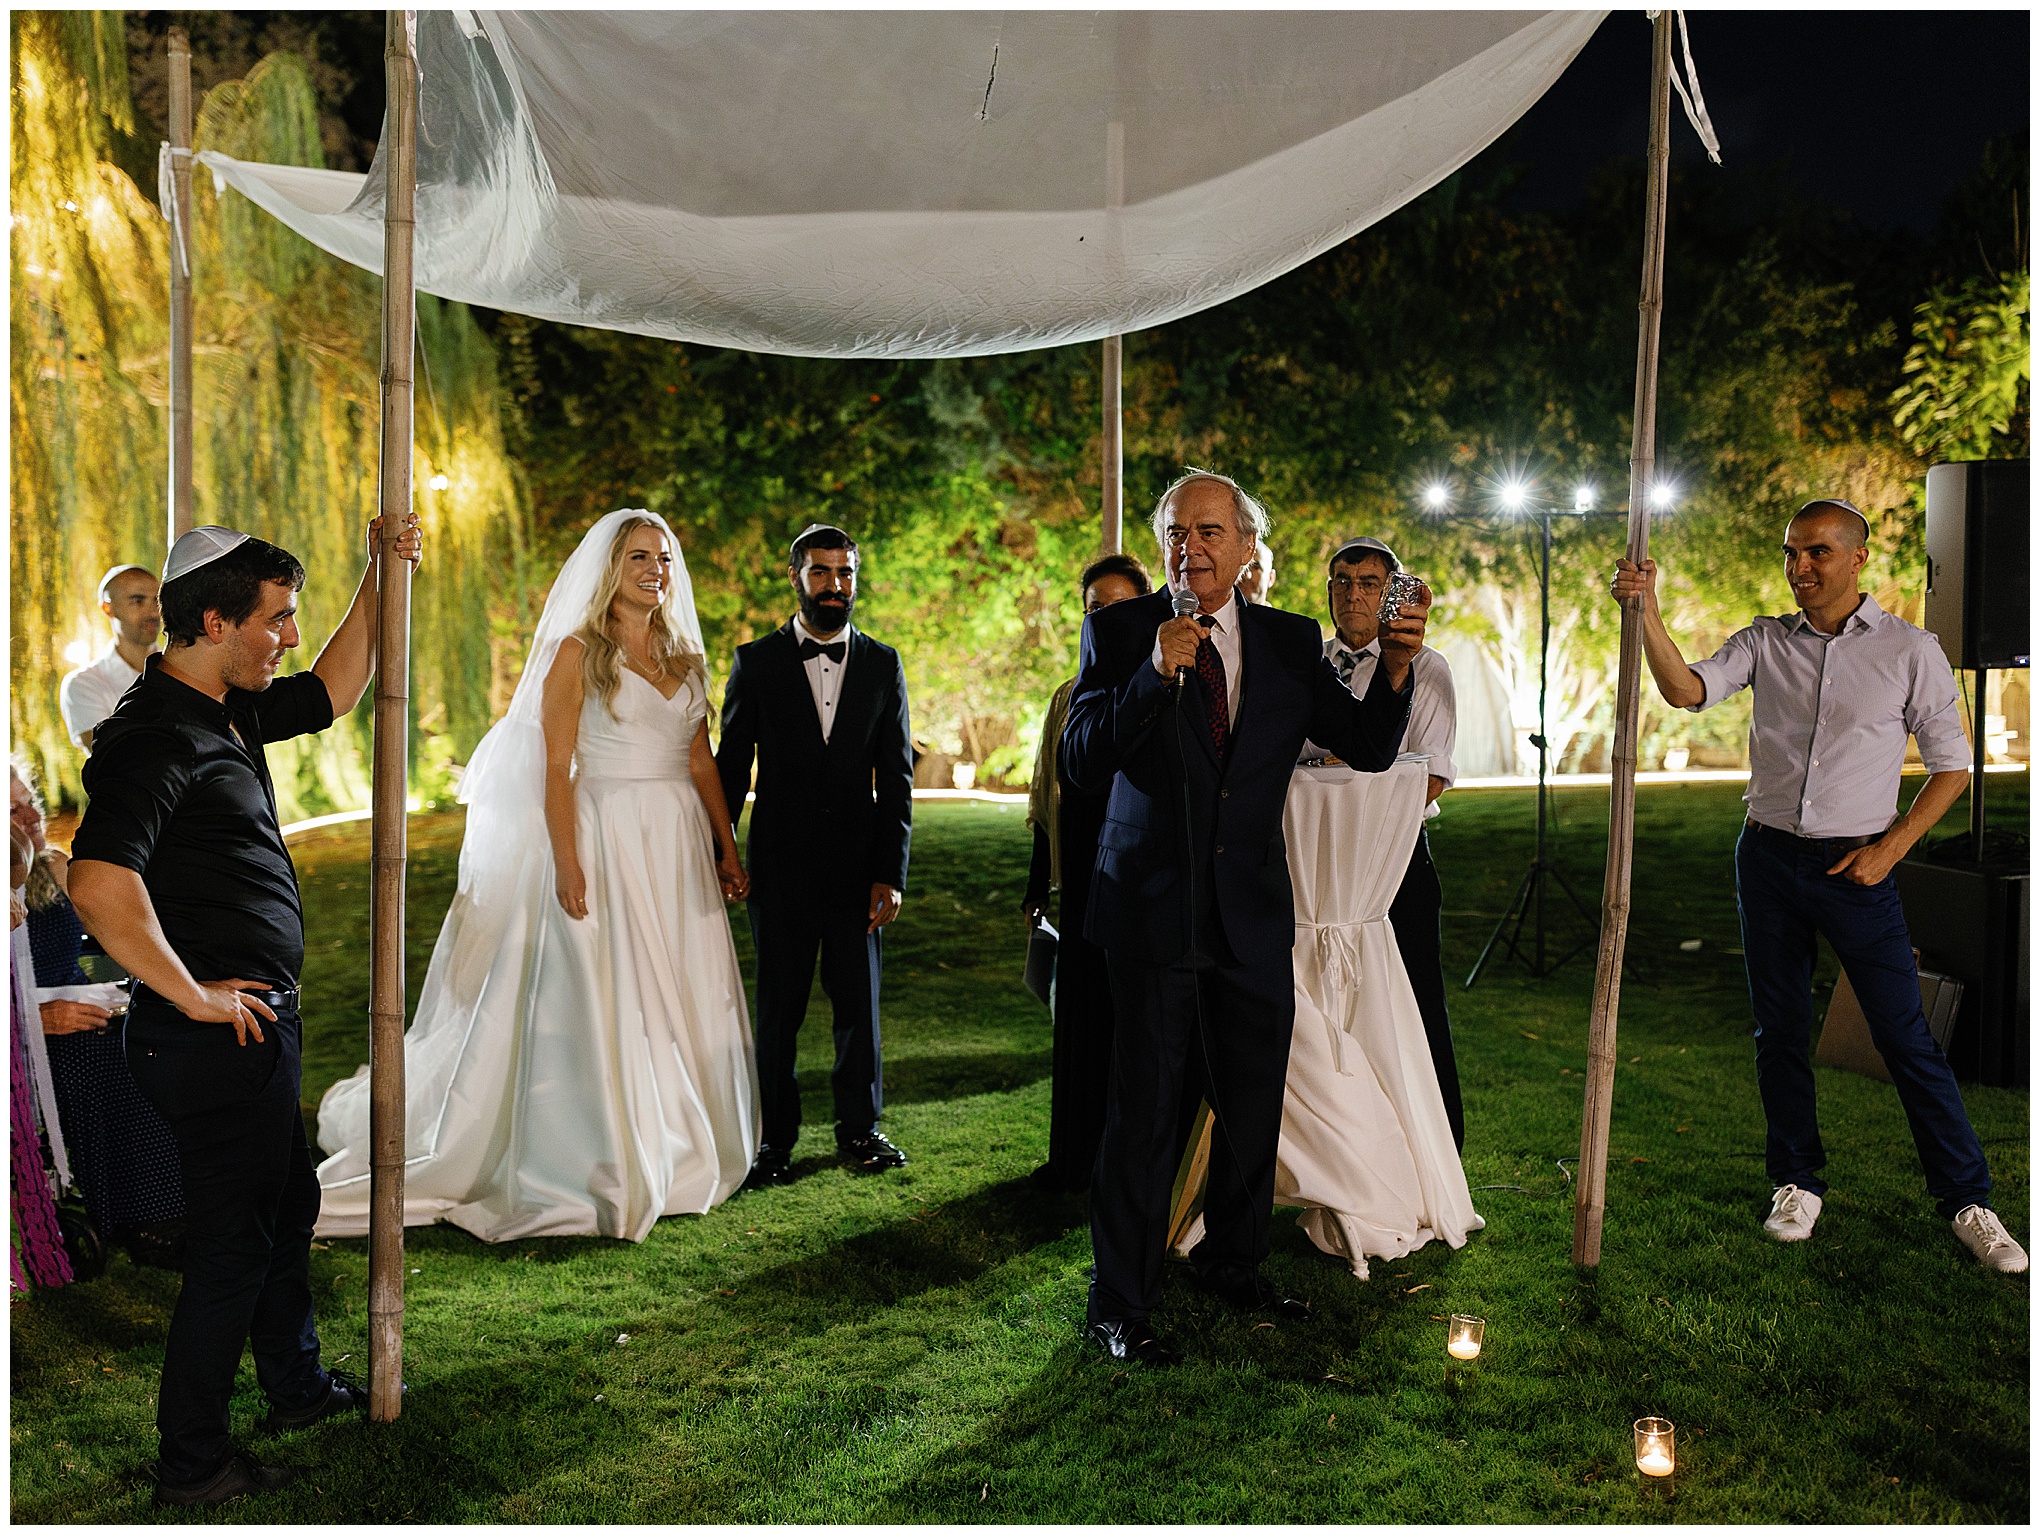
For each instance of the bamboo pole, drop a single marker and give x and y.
(179, 215)
(1111, 440)
(1112, 453)
(1590, 1190)
(391, 749)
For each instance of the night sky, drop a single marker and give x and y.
(1881, 113)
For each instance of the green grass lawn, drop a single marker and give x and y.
(907, 1348)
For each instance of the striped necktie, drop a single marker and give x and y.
(1347, 663)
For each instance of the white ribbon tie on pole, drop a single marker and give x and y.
(1695, 104)
(166, 197)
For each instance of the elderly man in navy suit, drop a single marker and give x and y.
(1193, 720)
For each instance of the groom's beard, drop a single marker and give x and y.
(826, 614)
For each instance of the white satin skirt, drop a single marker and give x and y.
(572, 1078)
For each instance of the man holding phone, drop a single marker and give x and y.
(1357, 584)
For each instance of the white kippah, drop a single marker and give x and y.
(201, 546)
(1836, 501)
(119, 570)
(1359, 548)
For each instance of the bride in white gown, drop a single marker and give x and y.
(581, 1060)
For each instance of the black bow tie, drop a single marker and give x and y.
(809, 648)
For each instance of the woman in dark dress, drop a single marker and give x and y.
(122, 1155)
(1066, 826)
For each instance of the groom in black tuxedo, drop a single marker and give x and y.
(1193, 723)
(824, 708)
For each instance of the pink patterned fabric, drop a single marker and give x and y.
(38, 1246)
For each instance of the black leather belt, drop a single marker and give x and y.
(279, 1001)
(1838, 844)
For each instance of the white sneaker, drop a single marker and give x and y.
(1793, 1212)
(1985, 1235)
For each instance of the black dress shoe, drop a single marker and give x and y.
(239, 1474)
(344, 1394)
(1133, 1340)
(1246, 1290)
(773, 1168)
(870, 1152)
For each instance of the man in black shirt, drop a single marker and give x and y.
(180, 871)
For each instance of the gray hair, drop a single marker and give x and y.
(1249, 516)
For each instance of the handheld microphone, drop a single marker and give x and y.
(1185, 603)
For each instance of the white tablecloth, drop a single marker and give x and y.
(1366, 1148)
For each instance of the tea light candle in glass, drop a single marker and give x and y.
(1654, 1452)
(1464, 1336)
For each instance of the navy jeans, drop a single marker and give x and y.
(251, 1199)
(1786, 897)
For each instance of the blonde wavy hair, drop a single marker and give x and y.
(602, 657)
(43, 889)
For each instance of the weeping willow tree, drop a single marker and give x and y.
(285, 411)
(87, 362)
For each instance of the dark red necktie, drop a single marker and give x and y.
(1211, 679)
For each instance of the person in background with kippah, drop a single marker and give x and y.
(1358, 573)
(1066, 826)
(179, 869)
(1836, 688)
(822, 707)
(128, 596)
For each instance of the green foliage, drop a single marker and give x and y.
(1969, 372)
(1457, 340)
(905, 1349)
(86, 370)
(286, 413)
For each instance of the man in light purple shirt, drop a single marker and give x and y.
(1837, 687)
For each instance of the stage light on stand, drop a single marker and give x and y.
(1464, 1335)
(1528, 901)
(1655, 1453)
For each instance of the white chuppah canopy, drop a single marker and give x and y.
(919, 184)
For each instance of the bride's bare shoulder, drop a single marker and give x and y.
(566, 664)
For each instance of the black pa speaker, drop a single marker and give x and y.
(1977, 538)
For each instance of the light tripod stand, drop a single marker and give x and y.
(1529, 900)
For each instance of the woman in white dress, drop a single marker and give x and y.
(581, 1060)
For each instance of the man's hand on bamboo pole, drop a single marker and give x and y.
(1635, 586)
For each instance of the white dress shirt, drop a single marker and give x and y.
(1224, 632)
(825, 677)
(1433, 729)
(1830, 713)
(87, 696)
